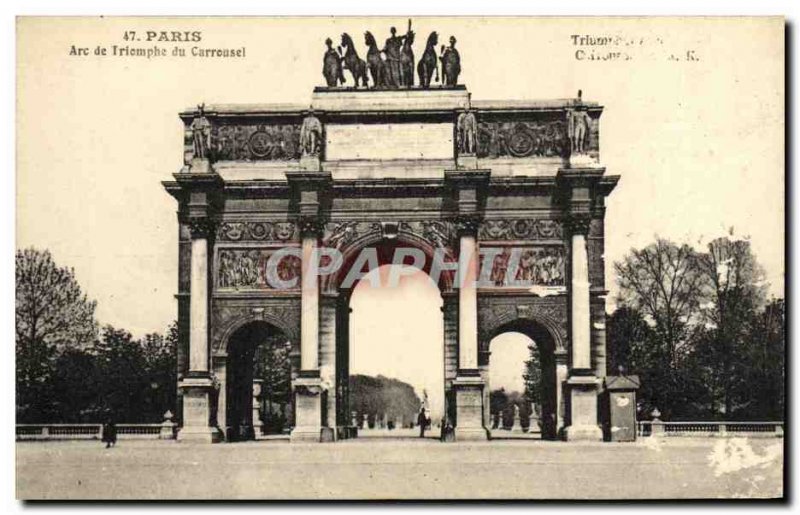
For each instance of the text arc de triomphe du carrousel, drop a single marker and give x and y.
(387, 159)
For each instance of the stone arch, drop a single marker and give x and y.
(255, 316)
(381, 239)
(234, 372)
(544, 333)
(538, 326)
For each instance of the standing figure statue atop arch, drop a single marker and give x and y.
(332, 66)
(392, 51)
(451, 63)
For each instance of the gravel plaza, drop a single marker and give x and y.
(406, 468)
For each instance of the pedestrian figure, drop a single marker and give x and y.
(109, 433)
(422, 420)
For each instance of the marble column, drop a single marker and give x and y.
(197, 385)
(469, 384)
(308, 385)
(583, 385)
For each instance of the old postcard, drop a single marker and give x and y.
(401, 258)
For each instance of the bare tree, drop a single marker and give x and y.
(663, 282)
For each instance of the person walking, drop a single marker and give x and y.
(109, 433)
(422, 420)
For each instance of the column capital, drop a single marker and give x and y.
(310, 226)
(467, 224)
(201, 227)
(579, 223)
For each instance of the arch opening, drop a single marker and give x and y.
(396, 351)
(522, 385)
(257, 392)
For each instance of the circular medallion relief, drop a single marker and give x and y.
(260, 144)
(521, 143)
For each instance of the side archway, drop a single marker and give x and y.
(542, 331)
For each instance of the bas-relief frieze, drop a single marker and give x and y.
(536, 138)
(274, 142)
(521, 229)
(537, 266)
(246, 269)
(340, 235)
(280, 231)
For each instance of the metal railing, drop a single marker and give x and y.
(720, 429)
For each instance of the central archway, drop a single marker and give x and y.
(389, 324)
(396, 352)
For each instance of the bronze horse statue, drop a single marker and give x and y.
(429, 63)
(377, 66)
(353, 63)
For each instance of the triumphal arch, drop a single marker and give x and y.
(503, 200)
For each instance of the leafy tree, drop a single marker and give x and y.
(767, 354)
(52, 315)
(735, 292)
(532, 375)
(375, 396)
(273, 366)
(694, 327)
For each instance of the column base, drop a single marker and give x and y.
(471, 434)
(469, 407)
(306, 434)
(308, 406)
(199, 434)
(197, 424)
(583, 434)
(583, 393)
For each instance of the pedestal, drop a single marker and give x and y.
(200, 166)
(197, 392)
(469, 408)
(583, 391)
(308, 406)
(310, 164)
(467, 162)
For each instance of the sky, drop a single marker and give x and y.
(699, 145)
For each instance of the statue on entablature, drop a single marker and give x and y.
(201, 134)
(311, 135)
(467, 131)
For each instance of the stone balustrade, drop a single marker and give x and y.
(660, 428)
(162, 431)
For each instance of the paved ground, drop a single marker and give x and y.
(402, 469)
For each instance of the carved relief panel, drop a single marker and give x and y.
(524, 266)
(243, 253)
(274, 142)
(531, 138)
